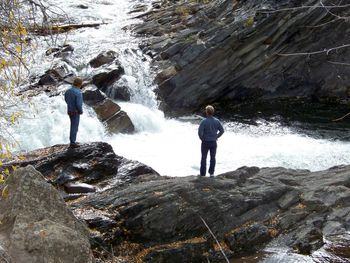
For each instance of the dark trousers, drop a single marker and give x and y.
(74, 124)
(205, 147)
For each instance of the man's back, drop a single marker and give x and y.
(74, 100)
(209, 128)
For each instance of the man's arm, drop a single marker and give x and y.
(221, 129)
(79, 102)
(201, 131)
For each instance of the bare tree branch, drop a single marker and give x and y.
(327, 51)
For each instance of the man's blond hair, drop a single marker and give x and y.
(209, 110)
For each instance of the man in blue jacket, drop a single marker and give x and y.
(210, 129)
(74, 100)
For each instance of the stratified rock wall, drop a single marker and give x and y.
(239, 51)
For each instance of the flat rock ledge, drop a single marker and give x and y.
(135, 215)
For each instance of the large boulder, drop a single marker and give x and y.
(116, 120)
(39, 226)
(92, 95)
(107, 77)
(120, 123)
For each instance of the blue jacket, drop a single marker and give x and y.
(209, 128)
(74, 100)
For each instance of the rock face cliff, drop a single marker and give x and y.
(136, 215)
(229, 52)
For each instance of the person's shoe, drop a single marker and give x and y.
(74, 145)
(201, 175)
(211, 175)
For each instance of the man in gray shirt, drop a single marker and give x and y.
(210, 129)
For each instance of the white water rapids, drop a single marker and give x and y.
(170, 146)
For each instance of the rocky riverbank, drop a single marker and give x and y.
(238, 52)
(138, 216)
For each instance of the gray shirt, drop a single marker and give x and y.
(210, 129)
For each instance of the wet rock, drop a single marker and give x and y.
(61, 51)
(139, 8)
(308, 240)
(107, 77)
(54, 76)
(76, 188)
(81, 6)
(103, 58)
(120, 122)
(93, 163)
(106, 109)
(115, 119)
(248, 238)
(118, 92)
(64, 178)
(39, 226)
(187, 252)
(340, 246)
(92, 95)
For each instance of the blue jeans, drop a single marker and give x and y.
(74, 124)
(205, 147)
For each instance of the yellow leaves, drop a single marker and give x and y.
(18, 49)
(2, 179)
(21, 30)
(249, 22)
(3, 63)
(21, 157)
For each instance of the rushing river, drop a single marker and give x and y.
(170, 146)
